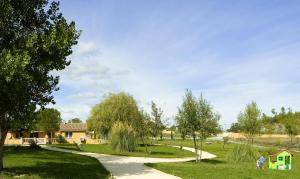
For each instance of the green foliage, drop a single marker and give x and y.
(145, 127)
(60, 139)
(196, 117)
(157, 125)
(123, 137)
(33, 144)
(285, 121)
(75, 120)
(250, 120)
(234, 127)
(120, 107)
(35, 40)
(243, 153)
(48, 120)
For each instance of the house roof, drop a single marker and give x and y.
(276, 153)
(73, 127)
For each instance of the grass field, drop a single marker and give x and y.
(28, 163)
(156, 151)
(220, 167)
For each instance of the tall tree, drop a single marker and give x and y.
(120, 107)
(195, 116)
(156, 114)
(48, 120)
(250, 121)
(75, 120)
(35, 39)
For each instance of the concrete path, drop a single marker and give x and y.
(123, 167)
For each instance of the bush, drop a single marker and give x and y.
(60, 139)
(123, 137)
(33, 144)
(243, 153)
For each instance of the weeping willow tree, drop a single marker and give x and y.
(116, 113)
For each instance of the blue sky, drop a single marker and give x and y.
(232, 51)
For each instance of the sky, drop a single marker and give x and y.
(233, 52)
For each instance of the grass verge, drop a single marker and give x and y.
(23, 162)
(220, 167)
(155, 151)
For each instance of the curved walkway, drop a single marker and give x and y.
(123, 167)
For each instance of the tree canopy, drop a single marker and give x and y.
(75, 120)
(120, 107)
(196, 116)
(48, 120)
(35, 39)
(250, 120)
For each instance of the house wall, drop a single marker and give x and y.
(11, 138)
(76, 136)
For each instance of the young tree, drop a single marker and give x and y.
(208, 121)
(144, 128)
(196, 117)
(35, 39)
(173, 130)
(48, 120)
(182, 124)
(187, 114)
(291, 125)
(158, 126)
(250, 121)
(75, 120)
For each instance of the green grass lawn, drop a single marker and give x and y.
(156, 151)
(221, 168)
(38, 163)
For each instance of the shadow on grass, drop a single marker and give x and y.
(207, 161)
(58, 170)
(39, 163)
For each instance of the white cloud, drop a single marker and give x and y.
(80, 96)
(84, 48)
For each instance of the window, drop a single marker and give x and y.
(68, 134)
(273, 159)
(280, 158)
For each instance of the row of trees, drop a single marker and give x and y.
(252, 122)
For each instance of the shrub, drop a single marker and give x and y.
(243, 153)
(60, 139)
(33, 144)
(123, 137)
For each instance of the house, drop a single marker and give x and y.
(281, 160)
(71, 132)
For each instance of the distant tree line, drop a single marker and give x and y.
(253, 122)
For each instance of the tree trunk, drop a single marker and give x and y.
(2, 140)
(196, 148)
(291, 140)
(201, 142)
